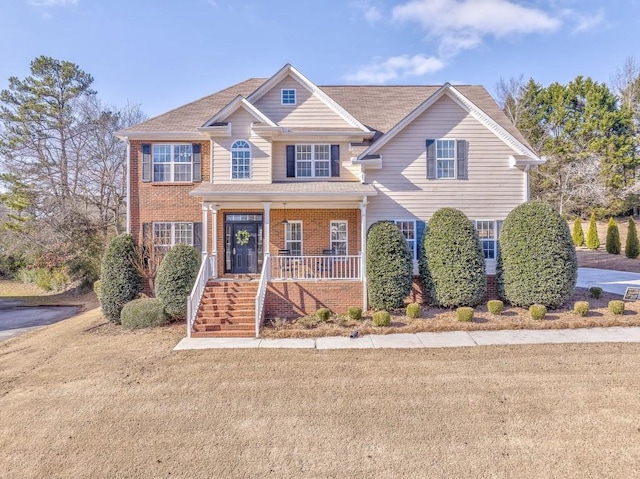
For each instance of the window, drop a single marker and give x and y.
(408, 229)
(165, 235)
(313, 161)
(339, 237)
(487, 232)
(240, 160)
(446, 158)
(172, 162)
(288, 97)
(293, 237)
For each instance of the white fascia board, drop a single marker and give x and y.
(216, 131)
(369, 163)
(239, 102)
(161, 135)
(521, 161)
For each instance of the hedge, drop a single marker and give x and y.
(176, 275)
(143, 313)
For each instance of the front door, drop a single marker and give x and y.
(244, 251)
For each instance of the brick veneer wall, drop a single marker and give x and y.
(294, 299)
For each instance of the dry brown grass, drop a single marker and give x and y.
(84, 398)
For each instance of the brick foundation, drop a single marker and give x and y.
(294, 299)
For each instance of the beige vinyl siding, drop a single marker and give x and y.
(308, 111)
(241, 122)
(348, 172)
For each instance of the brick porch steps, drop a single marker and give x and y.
(227, 309)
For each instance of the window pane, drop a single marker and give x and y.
(183, 233)
(339, 237)
(161, 237)
(288, 97)
(293, 238)
(162, 172)
(182, 153)
(182, 172)
(445, 149)
(161, 153)
(408, 229)
(486, 233)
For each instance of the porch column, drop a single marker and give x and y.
(214, 240)
(205, 226)
(266, 235)
(363, 251)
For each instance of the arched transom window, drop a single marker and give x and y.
(240, 160)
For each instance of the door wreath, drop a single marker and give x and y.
(242, 237)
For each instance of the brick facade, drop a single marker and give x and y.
(294, 299)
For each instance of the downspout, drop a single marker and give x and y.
(126, 140)
(526, 182)
(363, 251)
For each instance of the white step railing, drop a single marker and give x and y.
(262, 292)
(208, 269)
(315, 268)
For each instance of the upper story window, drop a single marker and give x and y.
(166, 235)
(313, 161)
(288, 96)
(408, 229)
(488, 232)
(172, 162)
(447, 159)
(339, 237)
(240, 160)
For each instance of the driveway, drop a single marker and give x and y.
(16, 319)
(611, 281)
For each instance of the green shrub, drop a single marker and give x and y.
(536, 259)
(43, 279)
(143, 313)
(464, 313)
(593, 242)
(414, 310)
(538, 311)
(632, 246)
(595, 292)
(389, 266)
(451, 261)
(612, 244)
(97, 288)
(120, 281)
(495, 306)
(176, 275)
(578, 233)
(26, 275)
(616, 306)
(59, 279)
(323, 314)
(581, 308)
(309, 322)
(381, 318)
(354, 313)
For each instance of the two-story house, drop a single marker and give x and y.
(277, 180)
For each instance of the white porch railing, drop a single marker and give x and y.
(262, 292)
(208, 269)
(315, 268)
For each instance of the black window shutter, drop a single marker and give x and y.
(431, 159)
(197, 162)
(291, 161)
(197, 236)
(146, 162)
(335, 160)
(463, 164)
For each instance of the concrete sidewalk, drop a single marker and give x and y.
(450, 339)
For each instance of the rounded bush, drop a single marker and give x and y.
(536, 259)
(593, 242)
(389, 266)
(354, 313)
(495, 306)
(464, 313)
(143, 313)
(323, 314)
(612, 245)
(538, 311)
(581, 308)
(176, 275)
(120, 281)
(595, 292)
(452, 264)
(414, 310)
(381, 318)
(578, 233)
(632, 245)
(616, 306)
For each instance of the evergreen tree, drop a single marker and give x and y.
(632, 246)
(612, 244)
(578, 233)
(593, 242)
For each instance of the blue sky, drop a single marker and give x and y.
(163, 53)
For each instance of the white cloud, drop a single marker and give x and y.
(383, 71)
(52, 3)
(371, 12)
(585, 23)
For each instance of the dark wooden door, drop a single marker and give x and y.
(245, 251)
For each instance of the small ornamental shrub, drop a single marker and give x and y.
(581, 308)
(43, 279)
(143, 313)
(414, 310)
(389, 266)
(612, 244)
(381, 318)
(354, 313)
(323, 314)
(616, 306)
(309, 322)
(452, 262)
(593, 242)
(595, 292)
(176, 275)
(578, 233)
(464, 313)
(120, 281)
(538, 311)
(632, 246)
(495, 306)
(536, 260)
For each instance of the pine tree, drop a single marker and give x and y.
(632, 246)
(578, 233)
(613, 238)
(593, 242)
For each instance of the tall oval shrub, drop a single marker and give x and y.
(593, 241)
(612, 244)
(176, 275)
(578, 233)
(120, 281)
(453, 265)
(389, 266)
(632, 245)
(536, 260)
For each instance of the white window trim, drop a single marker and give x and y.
(495, 237)
(455, 159)
(173, 232)
(295, 96)
(415, 235)
(171, 164)
(231, 161)
(313, 159)
(286, 242)
(346, 249)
